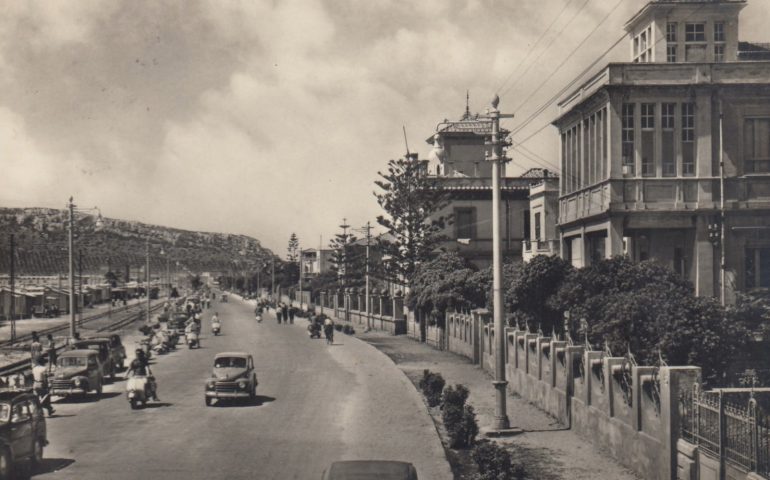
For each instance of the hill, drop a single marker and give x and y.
(41, 245)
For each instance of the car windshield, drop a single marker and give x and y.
(5, 412)
(72, 362)
(233, 362)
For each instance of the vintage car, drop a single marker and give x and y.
(177, 322)
(103, 346)
(233, 377)
(379, 469)
(78, 372)
(23, 433)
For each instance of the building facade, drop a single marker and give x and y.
(667, 157)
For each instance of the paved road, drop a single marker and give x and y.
(316, 404)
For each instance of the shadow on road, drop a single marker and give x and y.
(90, 398)
(258, 401)
(50, 465)
(158, 405)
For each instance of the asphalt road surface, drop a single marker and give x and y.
(316, 404)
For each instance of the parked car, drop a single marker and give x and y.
(23, 433)
(103, 347)
(78, 372)
(233, 378)
(379, 469)
(177, 322)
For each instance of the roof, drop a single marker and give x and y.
(669, 3)
(753, 51)
(77, 353)
(359, 469)
(231, 354)
(93, 340)
(539, 173)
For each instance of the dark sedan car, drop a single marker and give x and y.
(370, 470)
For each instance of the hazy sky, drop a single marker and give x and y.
(265, 117)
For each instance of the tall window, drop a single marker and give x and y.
(719, 42)
(671, 42)
(465, 222)
(527, 226)
(537, 226)
(757, 268)
(668, 162)
(688, 139)
(756, 148)
(643, 46)
(648, 139)
(628, 138)
(695, 42)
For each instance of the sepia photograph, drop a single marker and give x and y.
(385, 239)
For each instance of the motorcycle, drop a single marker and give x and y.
(314, 330)
(144, 345)
(215, 327)
(138, 391)
(192, 340)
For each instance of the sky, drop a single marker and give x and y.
(267, 117)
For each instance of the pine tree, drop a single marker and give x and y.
(293, 248)
(411, 200)
(347, 260)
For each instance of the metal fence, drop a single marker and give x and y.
(726, 430)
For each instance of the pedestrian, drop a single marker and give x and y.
(50, 348)
(40, 385)
(285, 310)
(35, 348)
(292, 312)
(278, 314)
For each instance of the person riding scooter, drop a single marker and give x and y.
(216, 325)
(191, 332)
(329, 330)
(140, 367)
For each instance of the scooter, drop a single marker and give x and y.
(314, 330)
(192, 340)
(144, 345)
(137, 391)
(215, 328)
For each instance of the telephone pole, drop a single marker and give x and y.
(367, 229)
(13, 289)
(73, 318)
(147, 279)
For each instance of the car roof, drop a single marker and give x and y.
(8, 395)
(77, 353)
(365, 469)
(232, 354)
(93, 340)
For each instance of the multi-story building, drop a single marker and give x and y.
(316, 262)
(543, 238)
(459, 163)
(655, 152)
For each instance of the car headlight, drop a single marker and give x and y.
(242, 384)
(78, 382)
(210, 385)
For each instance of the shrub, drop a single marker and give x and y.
(494, 463)
(338, 327)
(459, 418)
(348, 330)
(432, 384)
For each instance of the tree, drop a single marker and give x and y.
(195, 282)
(292, 249)
(529, 292)
(649, 309)
(111, 279)
(410, 200)
(442, 283)
(347, 260)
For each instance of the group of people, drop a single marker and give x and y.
(285, 313)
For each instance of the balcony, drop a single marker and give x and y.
(532, 248)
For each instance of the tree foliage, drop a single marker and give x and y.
(348, 260)
(530, 289)
(292, 250)
(410, 199)
(442, 283)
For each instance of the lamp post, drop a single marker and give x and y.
(71, 241)
(147, 279)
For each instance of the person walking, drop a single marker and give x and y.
(278, 313)
(40, 385)
(292, 312)
(35, 348)
(50, 348)
(285, 310)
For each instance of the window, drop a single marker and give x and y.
(464, 222)
(537, 226)
(648, 139)
(671, 40)
(756, 138)
(757, 268)
(695, 32)
(688, 139)
(668, 162)
(643, 46)
(527, 226)
(719, 32)
(719, 53)
(628, 138)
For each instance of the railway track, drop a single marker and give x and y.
(131, 315)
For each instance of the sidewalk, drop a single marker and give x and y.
(547, 449)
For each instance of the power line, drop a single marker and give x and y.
(569, 57)
(534, 47)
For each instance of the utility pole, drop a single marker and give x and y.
(299, 264)
(272, 279)
(368, 230)
(80, 285)
(502, 424)
(109, 285)
(147, 279)
(73, 318)
(344, 228)
(722, 239)
(13, 289)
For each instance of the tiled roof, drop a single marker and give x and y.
(753, 51)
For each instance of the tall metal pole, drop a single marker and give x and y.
(299, 264)
(80, 285)
(13, 289)
(497, 158)
(368, 305)
(722, 239)
(109, 286)
(272, 279)
(147, 280)
(73, 318)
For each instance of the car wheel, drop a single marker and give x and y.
(37, 453)
(6, 464)
(208, 401)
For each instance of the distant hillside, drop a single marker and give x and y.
(41, 245)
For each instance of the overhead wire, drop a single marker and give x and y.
(534, 47)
